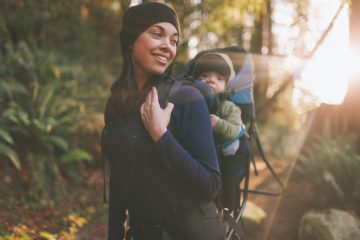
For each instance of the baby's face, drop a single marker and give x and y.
(216, 81)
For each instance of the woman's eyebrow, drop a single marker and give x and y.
(162, 29)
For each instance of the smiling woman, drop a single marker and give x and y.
(164, 172)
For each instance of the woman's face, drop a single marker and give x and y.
(154, 49)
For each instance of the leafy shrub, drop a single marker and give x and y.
(333, 166)
(40, 116)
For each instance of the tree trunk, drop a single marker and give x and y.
(269, 27)
(260, 60)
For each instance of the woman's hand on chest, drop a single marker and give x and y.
(155, 118)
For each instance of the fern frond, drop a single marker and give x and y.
(8, 88)
(76, 155)
(5, 136)
(10, 154)
(331, 164)
(47, 92)
(58, 142)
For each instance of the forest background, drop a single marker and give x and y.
(59, 58)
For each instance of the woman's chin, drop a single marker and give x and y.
(159, 70)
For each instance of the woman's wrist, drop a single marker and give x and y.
(156, 135)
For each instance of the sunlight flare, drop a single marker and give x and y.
(327, 74)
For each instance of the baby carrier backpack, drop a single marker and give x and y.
(239, 90)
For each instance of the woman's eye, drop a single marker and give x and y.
(156, 34)
(173, 42)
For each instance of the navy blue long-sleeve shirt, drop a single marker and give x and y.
(158, 182)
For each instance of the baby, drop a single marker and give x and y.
(216, 69)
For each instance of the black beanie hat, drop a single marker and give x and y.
(218, 62)
(138, 18)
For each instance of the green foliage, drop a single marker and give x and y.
(230, 11)
(57, 60)
(333, 166)
(10, 153)
(40, 116)
(76, 28)
(216, 23)
(75, 155)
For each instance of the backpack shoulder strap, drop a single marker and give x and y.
(169, 87)
(176, 87)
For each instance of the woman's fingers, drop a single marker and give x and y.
(148, 100)
(152, 99)
(169, 108)
(154, 96)
(148, 108)
(155, 118)
(142, 110)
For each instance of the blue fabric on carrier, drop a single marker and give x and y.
(241, 91)
(243, 96)
(241, 86)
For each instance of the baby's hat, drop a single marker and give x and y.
(217, 62)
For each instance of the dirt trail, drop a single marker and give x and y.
(284, 211)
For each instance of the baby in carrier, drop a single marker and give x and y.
(216, 69)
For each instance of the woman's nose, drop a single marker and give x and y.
(166, 43)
